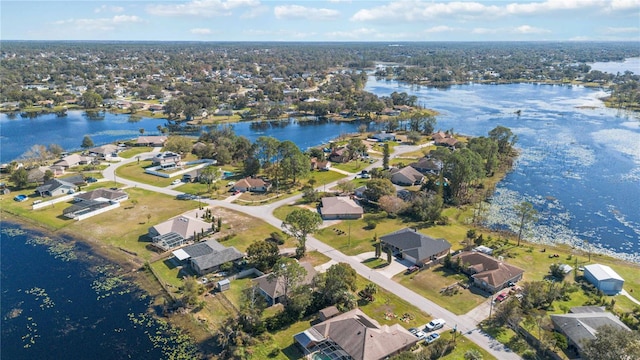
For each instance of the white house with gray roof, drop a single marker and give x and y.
(340, 207)
(207, 256)
(177, 231)
(418, 248)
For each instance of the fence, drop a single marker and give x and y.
(54, 201)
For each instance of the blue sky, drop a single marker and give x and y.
(329, 20)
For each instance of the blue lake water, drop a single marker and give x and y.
(55, 304)
(579, 163)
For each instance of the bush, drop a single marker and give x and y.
(276, 237)
(529, 355)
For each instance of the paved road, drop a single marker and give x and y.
(465, 323)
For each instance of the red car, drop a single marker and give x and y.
(502, 297)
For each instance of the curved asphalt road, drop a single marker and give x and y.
(465, 324)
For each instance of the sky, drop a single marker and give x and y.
(317, 20)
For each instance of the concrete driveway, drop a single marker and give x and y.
(396, 266)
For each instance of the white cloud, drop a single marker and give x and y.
(254, 12)
(484, 31)
(361, 34)
(417, 10)
(204, 8)
(526, 29)
(200, 31)
(281, 34)
(620, 30)
(440, 29)
(106, 8)
(101, 24)
(303, 12)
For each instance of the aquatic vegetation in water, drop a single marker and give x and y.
(13, 232)
(59, 250)
(109, 283)
(173, 343)
(29, 339)
(41, 294)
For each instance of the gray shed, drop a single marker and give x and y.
(224, 285)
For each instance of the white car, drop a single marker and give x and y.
(176, 182)
(420, 335)
(435, 324)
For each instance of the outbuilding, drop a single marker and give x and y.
(224, 285)
(604, 278)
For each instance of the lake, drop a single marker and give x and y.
(579, 162)
(61, 301)
(614, 67)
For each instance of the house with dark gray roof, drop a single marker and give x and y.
(55, 187)
(418, 248)
(428, 166)
(582, 324)
(354, 335)
(207, 256)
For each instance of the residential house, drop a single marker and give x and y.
(72, 160)
(252, 185)
(76, 179)
(328, 313)
(207, 256)
(427, 166)
(177, 231)
(56, 187)
(340, 155)
(354, 335)
(406, 176)
(94, 202)
(167, 160)
(415, 247)
(155, 141)
(488, 273)
(444, 139)
(273, 289)
(382, 137)
(604, 278)
(359, 191)
(105, 151)
(581, 324)
(320, 164)
(340, 207)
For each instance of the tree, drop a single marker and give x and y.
(462, 168)
(612, 343)
(299, 223)
(335, 282)
(389, 255)
(209, 175)
(178, 144)
(55, 149)
(377, 188)
(251, 166)
(48, 175)
(414, 136)
(504, 137)
(288, 273)
(356, 148)
(526, 216)
(378, 246)
(487, 149)
(427, 207)
(20, 178)
(345, 186)
(392, 204)
(556, 271)
(87, 142)
(369, 290)
(90, 99)
(263, 254)
(174, 107)
(386, 154)
(191, 290)
(473, 354)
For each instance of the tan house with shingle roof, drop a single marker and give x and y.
(340, 207)
(354, 335)
(488, 273)
(177, 231)
(252, 185)
(406, 176)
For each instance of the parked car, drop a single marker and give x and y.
(502, 297)
(431, 338)
(420, 334)
(91, 180)
(413, 330)
(412, 269)
(185, 197)
(20, 198)
(435, 324)
(176, 182)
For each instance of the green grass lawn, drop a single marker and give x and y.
(245, 229)
(169, 273)
(378, 263)
(129, 153)
(351, 166)
(324, 177)
(315, 258)
(428, 283)
(49, 216)
(282, 212)
(462, 346)
(126, 226)
(135, 171)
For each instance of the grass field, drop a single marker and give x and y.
(131, 152)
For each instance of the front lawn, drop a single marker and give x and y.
(352, 166)
(134, 171)
(131, 152)
(324, 177)
(462, 345)
(428, 283)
